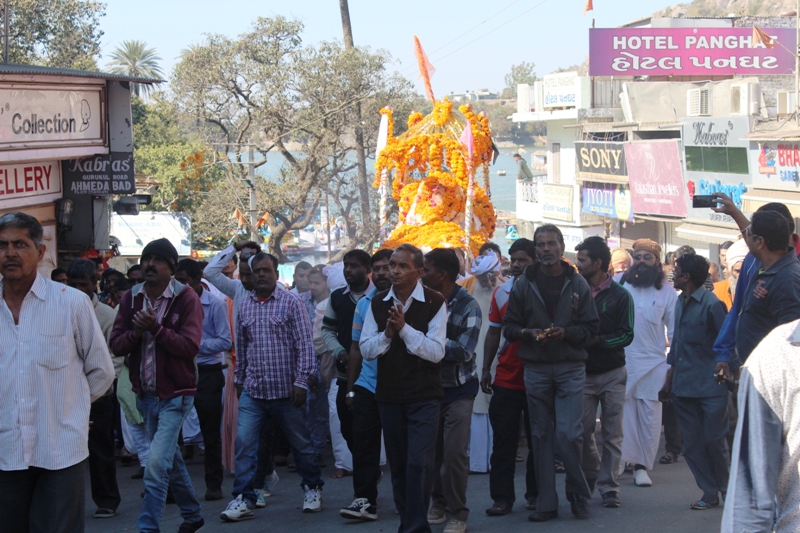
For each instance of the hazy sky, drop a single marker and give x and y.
(471, 43)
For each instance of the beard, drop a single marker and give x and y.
(644, 276)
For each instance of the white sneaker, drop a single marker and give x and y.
(237, 510)
(269, 484)
(455, 526)
(641, 478)
(312, 501)
(261, 499)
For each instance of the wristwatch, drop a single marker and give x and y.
(351, 394)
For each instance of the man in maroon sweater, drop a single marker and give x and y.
(159, 326)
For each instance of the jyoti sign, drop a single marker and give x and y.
(607, 200)
(688, 52)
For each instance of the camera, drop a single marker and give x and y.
(703, 200)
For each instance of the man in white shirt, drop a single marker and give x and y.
(55, 363)
(406, 330)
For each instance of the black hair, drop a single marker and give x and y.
(444, 260)
(19, 220)
(694, 265)
(489, 245)
(59, 271)
(782, 210)
(381, 255)
(683, 250)
(596, 248)
(361, 256)
(318, 270)
(415, 252)
(523, 245)
(260, 256)
(80, 268)
(302, 265)
(234, 258)
(134, 268)
(725, 245)
(191, 267)
(123, 285)
(549, 228)
(773, 227)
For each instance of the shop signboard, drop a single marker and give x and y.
(776, 163)
(556, 202)
(100, 175)
(607, 200)
(135, 231)
(656, 178)
(50, 116)
(573, 236)
(605, 160)
(29, 183)
(560, 90)
(689, 52)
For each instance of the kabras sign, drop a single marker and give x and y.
(602, 159)
(101, 175)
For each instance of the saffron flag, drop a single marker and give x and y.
(468, 140)
(426, 69)
(589, 7)
(240, 219)
(263, 220)
(760, 36)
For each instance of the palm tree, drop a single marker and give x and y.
(134, 58)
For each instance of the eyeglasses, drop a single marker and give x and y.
(644, 257)
(748, 232)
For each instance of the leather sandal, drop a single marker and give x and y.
(669, 458)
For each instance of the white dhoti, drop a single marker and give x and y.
(641, 425)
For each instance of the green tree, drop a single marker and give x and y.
(63, 34)
(522, 73)
(267, 90)
(134, 58)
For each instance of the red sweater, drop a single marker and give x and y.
(177, 341)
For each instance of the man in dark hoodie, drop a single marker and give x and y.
(159, 326)
(605, 369)
(551, 310)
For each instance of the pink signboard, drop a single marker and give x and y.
(656, 178)
(688, 52)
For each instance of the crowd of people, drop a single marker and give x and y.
(428, 361)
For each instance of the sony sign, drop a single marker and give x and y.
(49, 116)
(601, 159)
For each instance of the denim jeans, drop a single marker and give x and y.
(317, 416)
(254, 413)
(165, 467)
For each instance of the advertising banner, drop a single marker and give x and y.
(560, 90)
(656, 178)
(688, 52)
(556, 202)
(50, 116)
(778, 163)
(101, 175)
(135, 231)
(607, 200)
(601, 160)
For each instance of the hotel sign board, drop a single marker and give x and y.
(32, 117)
(689, 52)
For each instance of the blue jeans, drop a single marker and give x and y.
(254, 413)
(165, 467)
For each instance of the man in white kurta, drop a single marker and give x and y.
(654, 306)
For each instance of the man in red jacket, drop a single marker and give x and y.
(159, 326)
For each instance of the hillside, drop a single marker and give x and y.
(722, 8)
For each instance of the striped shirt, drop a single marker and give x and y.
(55, 363)
(274, 346)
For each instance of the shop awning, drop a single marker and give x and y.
(707, 232)
(755, 198)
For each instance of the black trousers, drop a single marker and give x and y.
(208, 403)
(366, 445)
(102, 463)
(672, 433)
(43, 501)
(505, 408)
(345, 414)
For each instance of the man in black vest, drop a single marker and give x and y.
(337, 328)
(406, 327)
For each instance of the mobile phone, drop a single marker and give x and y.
(703, 200)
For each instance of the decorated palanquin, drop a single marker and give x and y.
(432, 167)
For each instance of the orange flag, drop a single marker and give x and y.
(263, 220)
(589, 7)
(760, 36)
(426, 69)
(240, 219)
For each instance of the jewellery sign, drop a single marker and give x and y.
(656, 178)
(556, 202)
(23, 180)
(689, 52)
(31, 117)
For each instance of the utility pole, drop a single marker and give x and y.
(328, 223)
(251, 183)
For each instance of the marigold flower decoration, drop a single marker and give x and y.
(430, 177)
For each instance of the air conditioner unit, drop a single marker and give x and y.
(698, 103)
(786, 103)
(745, 99)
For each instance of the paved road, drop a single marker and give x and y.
(662, 508)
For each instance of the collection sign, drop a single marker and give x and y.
(656, 178)
(601, 159)
(559, 90)
(556, 202)
(688, 52)
(50, 116)
(101, 175)
(607, 200)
